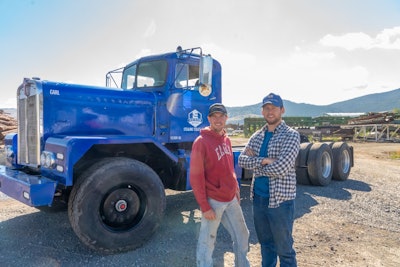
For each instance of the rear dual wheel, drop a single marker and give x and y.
(343, 160)
(319, 163)
(301, 164)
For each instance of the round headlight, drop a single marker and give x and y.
(47, 159)
(43, 159)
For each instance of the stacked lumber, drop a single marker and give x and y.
(8, 124)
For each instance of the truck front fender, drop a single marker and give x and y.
(68, 150)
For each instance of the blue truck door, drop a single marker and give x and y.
(186, 106)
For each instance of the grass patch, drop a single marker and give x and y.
(394, 155)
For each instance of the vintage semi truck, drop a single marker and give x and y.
(107, 154)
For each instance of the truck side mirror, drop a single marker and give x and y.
(205, 75)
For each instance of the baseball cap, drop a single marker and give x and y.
(273, 99)
(217, 107)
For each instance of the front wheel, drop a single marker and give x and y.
(116, 205)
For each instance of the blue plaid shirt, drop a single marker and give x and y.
(284, 146)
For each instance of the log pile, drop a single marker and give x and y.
(8, 124)
(373, 118)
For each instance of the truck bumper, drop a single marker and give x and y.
(31, 190)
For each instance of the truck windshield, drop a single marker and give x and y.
(145, 74)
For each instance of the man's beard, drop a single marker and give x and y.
(273, 121)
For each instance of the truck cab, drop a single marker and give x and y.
(109, 152)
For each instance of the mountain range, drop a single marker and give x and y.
(378, 102)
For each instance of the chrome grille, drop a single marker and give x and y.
(30, 123)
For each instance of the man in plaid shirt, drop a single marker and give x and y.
(271, 153)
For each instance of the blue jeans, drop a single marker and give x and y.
(231, 216)
(274, 232)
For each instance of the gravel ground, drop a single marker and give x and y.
(350, 223)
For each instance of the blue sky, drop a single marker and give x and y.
(308, 51)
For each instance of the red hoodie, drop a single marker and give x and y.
(212, 173)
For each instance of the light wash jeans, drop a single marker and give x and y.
(274, 228)
(231, 216)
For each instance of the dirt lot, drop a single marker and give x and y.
(351, 223)
(357, 222)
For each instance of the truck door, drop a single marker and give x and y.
(151, 77)
(188, 108)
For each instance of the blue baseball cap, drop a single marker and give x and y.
(273, 99)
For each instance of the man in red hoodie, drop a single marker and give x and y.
(216, 190)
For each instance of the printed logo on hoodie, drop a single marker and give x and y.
(222, 150)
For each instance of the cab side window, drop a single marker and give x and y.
(186, 76)
(129, 78)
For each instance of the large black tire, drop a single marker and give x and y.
(116, 205)
(301, 164)
(319, 164)
(342, 161)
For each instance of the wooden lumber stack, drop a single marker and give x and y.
(8, 124)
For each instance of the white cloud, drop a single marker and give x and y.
(9, 103)
(355, 78)
(242, 75)
(387, 39)
(151, 29)
(349, 41)
(308, 59)
(317, 78)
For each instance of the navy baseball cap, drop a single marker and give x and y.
(273, 99)
(217, 107)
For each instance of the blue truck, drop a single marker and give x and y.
(107, 154)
